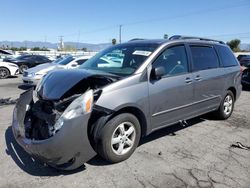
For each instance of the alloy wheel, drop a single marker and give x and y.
(228, 104)
(123, 138)
(3, 73)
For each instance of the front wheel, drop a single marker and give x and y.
(119, 138)
(4, 72)
(226, 107)
(22, 68)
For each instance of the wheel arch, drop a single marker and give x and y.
(233, 90)
(137, 113)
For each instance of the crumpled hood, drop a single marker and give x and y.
(56, 83)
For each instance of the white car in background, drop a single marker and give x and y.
(33, 75)
(8, 69)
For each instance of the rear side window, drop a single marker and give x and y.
(204, 57)
(227, 57)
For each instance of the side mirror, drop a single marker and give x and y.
(75, 64)
(157, 73)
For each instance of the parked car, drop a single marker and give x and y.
(246, 76)
(8, 69)
(242, 55)
(5, 54)
(33, 75)
(27, 61)
(245, 61)
(74, 114)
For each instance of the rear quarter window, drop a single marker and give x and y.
(227, 57)
(204, 57)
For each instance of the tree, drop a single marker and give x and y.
(84, 49)
(234, 45)
(69, 48)
(114, 41)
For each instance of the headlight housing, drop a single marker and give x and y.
(32, 74)
(80, 106)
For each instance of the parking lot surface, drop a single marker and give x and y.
(198, 155)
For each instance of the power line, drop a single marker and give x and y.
(232, 34)
(120, 34)
(204, 11)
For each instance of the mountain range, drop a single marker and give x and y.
(32, 44)
(89, 46)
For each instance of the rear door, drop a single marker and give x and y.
(209, 79)
(170, 97)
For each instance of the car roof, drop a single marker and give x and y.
(148, 41)
(177, 38)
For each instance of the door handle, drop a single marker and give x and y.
(198, 78)
(188, 80)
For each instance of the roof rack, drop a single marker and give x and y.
(135, 39)
(176, 37)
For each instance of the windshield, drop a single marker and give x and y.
(23, 57)
(66, 60)
(122, 60)
(58, 60)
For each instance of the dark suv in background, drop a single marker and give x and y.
(106, 108)
(244, 60)
(27, 61)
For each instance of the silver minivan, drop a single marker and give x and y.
(72, 115)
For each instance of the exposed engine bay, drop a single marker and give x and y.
(42, 115)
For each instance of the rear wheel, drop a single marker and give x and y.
(119, 138)
(226, 107)
(4, 72)
(22, 68)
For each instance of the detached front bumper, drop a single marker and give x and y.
(68, 149)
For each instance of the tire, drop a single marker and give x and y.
(226, 107)
(22, 68)
(124, 142)
(4, 73)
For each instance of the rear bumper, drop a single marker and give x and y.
(68, 149)
(245, 82)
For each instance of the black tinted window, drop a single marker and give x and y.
(24, 57)
(227, 57)
(204, 58)
(81, 61)
(44, 58)
(37, 58)
(174, 60)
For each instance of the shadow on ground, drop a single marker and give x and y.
(245, 88)
(36, 168)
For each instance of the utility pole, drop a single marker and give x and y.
(120, 34)
(61, 44)
(78, 40)
(45, 40)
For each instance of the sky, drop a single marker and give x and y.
(97, 21)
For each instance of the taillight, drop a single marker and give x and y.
(241, 69)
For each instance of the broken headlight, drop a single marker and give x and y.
(80, 106)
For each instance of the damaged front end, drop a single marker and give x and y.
(55, 130)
